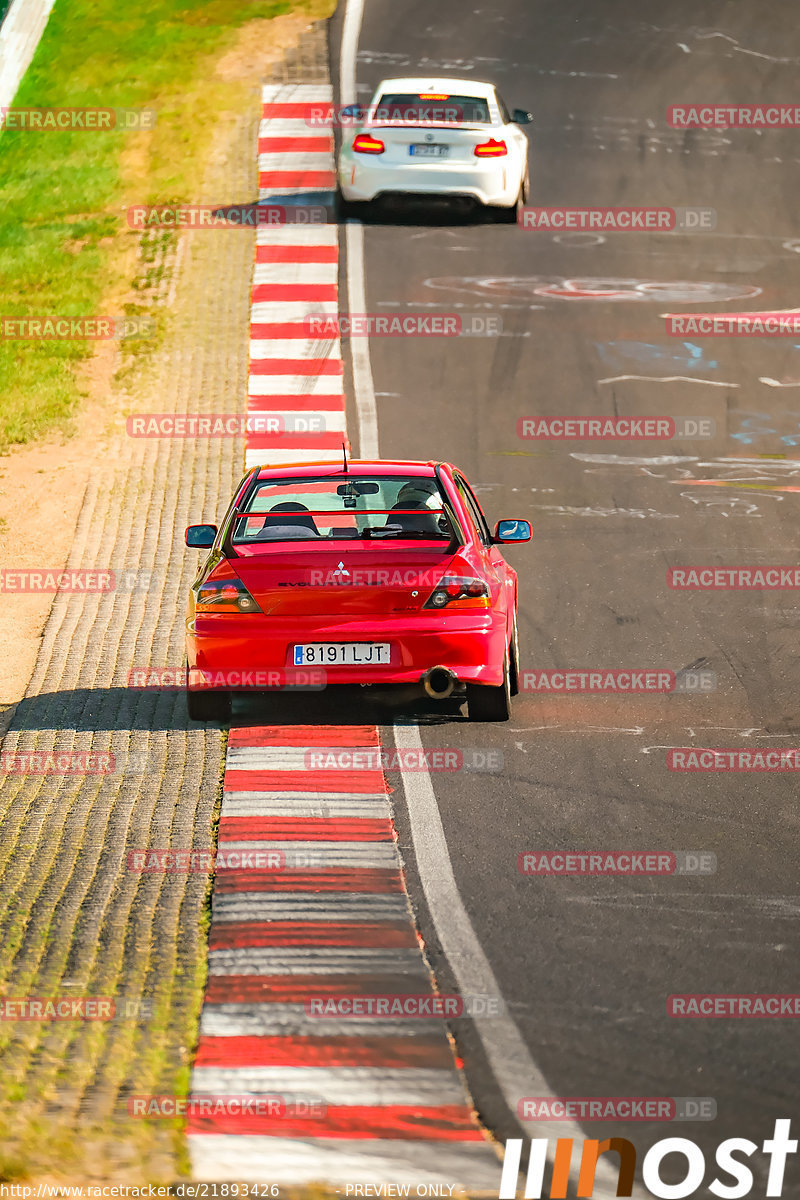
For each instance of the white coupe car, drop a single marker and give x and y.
(435, 137)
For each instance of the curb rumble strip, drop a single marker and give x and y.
(386, 1102)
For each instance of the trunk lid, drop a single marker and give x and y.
(346, 578)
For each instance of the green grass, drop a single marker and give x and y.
(65, 247)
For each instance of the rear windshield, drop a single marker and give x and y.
(423, 107)
(347, 507)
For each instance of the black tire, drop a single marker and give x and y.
(209, 706)
(486, 703)
(513, 659)
(510, 216)
(349, 209)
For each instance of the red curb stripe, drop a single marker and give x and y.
(291, 441)
(367, 880)
(384, 935)
(303, 179)
(354, 736)
(305, 829)
(390, 1052)
(271, 111)
(285, 329)
(297, 989)
(299, 143)
(450, 1123)
(296, 366)
(345, 782)
(294, 291)
(297, 254)
(273, 404)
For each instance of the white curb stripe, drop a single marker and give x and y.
(274, 312)
(266, 961)
(335, 1085)
(312, 348)
(297, 235)
(342, 1161)
(295, 758)
(321, 856)
(296, 272)
(297, 93)
(310, 906)
(292, 1020)
(294, 160)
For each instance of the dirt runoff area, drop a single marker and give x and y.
(43, 484)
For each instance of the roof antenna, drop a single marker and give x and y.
(344, 456)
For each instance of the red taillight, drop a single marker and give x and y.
(491, 149)
(474, 593)
(365, 143)
(225, 596)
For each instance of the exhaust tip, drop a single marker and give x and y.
(439, 682)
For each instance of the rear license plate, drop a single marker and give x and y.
(422, 151)
(342, 654)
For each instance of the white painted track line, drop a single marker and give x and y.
(343, 1161)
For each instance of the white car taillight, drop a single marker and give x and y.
(491, 149)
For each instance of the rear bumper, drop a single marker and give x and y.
(471, 645)
(494, 182)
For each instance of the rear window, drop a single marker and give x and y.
(350, 507)
(424, 107)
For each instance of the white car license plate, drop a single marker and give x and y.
(421, 151)
(342, 654)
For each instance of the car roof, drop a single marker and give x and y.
(438, 83)
(356, 465)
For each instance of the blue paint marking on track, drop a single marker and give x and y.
(690, 358)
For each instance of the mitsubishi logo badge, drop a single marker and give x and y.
(341, 570)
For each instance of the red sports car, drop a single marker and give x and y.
(364, 573)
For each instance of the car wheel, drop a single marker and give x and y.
(209, 706)
(486, 703)
(513, 659)
(349, 209)
(511, 215)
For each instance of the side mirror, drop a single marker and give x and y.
(201, 537)
(512, 531)
(521, 117)
(351, 112)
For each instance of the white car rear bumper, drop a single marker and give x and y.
(491, 182)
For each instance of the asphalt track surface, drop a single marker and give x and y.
(585, 965)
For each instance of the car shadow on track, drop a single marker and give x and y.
(119, 709)
(323, 208)
(346, 706)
